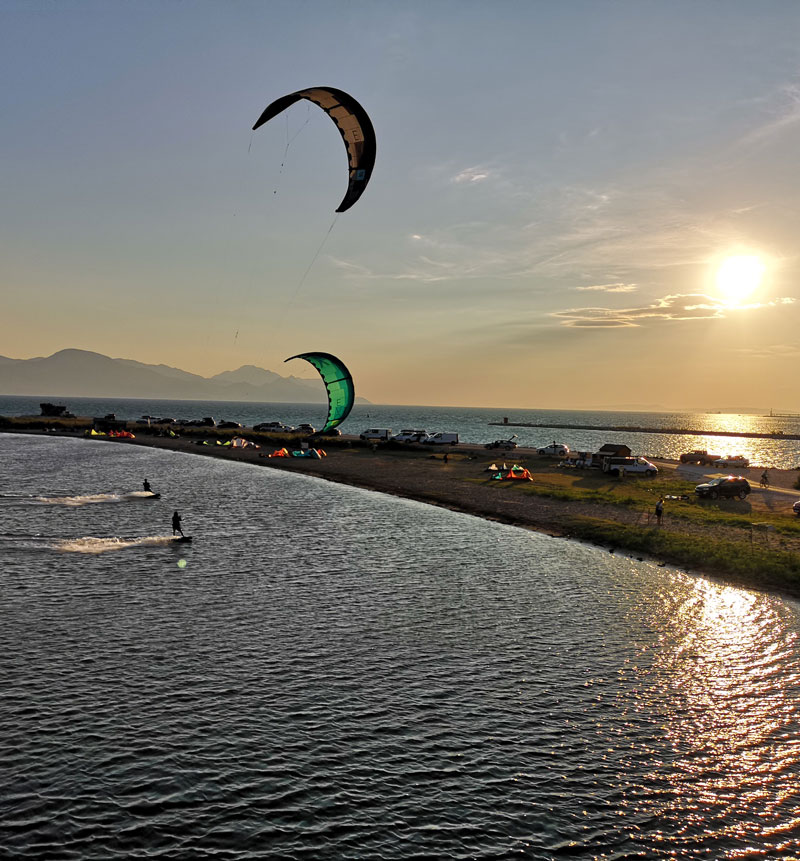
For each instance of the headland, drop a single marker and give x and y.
(753, 542)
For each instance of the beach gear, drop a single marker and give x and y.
(241, 442)
(515, 472)
(354, 125)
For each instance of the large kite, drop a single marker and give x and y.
(353, 123)
(338, 384)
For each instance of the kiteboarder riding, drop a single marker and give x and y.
(146, 486)
(176, 524)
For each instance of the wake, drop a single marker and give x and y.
(89, 544)
(93, 498)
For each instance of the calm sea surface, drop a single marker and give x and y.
(474, 426)
(328, 673)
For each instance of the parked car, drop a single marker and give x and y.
(273, 427)
(380, 434)
(330, 432)
(555, 449)
(224, 425)
(304, 428)
(700, 456)
(631, 465)
(726, 487)
(441, 438)
(503, 443)
(410, 435)
(796, 508)
(733, 460)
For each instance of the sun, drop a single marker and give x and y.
(738, 277)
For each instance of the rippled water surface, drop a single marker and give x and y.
(330, 673)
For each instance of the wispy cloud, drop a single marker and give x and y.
(783, 115)
(472, 174)
(694, 306)
(610, 288)
(771, 351)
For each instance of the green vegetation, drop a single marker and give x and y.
(641, 494)
(744, 561)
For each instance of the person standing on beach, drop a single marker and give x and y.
(176, 524)
(659, 510)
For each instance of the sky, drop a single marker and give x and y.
(582, 204)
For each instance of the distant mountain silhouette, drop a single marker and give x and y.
(81, 373)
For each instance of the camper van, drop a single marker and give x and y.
(631, 465)
(379, 434)
(442, 438)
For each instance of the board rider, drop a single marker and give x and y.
(176, 523)
(146, 486)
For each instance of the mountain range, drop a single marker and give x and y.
(81, 373)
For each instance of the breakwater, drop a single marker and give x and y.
(640, 429)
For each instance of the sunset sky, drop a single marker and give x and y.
(574, 205)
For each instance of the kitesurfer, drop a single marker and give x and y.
(146, 486)
(176, 524)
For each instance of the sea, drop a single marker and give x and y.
(476, 425)
(326, 672)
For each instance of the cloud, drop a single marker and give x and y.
(693, 306)
(784, 116)
(771, 351)
(610, 288)
(472, 174)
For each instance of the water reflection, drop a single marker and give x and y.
(727, 695)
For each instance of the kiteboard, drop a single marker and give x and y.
(154, 496)
(182, 539)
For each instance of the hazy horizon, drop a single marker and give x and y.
(576, 205)
(363, 400)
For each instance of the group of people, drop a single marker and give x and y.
(176, 518)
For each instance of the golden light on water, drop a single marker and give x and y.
(738, 277)
(729, 706)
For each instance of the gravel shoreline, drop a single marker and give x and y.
(461, 483)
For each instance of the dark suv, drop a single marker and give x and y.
(725, 486)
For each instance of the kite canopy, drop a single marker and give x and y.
(338, 384)
(353, 123)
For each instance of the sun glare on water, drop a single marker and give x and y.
(738, 277)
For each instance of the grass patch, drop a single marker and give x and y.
(737, 559)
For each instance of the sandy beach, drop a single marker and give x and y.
(462, 483)
(560, 502)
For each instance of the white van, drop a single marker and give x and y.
(631, 465)
(442, 438)
(376, 433)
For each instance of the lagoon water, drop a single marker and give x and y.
(329, 673)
